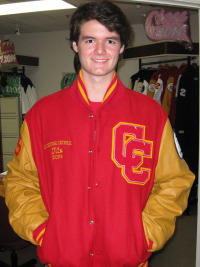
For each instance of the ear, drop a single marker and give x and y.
(75, 47)
(121, 49)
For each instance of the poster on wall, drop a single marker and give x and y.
(169, 26)
(68, 79)
(10, 85)
(7, 53)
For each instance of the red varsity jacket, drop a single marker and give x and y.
(96, 190)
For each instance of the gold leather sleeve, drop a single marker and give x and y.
(169, 196)
(22, 192)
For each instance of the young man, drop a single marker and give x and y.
(96, 179)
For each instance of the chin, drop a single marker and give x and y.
(101, 72)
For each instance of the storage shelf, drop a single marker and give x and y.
(27, 61)
(160, 49)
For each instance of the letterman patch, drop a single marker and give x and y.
(19, 147)
(56, 148)
(129, 148)
(178, 148)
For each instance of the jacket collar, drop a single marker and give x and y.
(81, 86)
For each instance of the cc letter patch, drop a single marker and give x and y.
(129, 148)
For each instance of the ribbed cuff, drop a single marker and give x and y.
(150, 245)
(38, 233)
(144, 264)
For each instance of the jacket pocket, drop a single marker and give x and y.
(149, 241)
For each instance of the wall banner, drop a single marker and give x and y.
(162, 26)
(7, 53)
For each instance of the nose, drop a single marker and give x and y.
(100, 48)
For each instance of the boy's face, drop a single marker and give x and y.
(98, 49)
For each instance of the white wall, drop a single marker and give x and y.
(56, 56)
(128, 67)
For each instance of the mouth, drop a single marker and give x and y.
(100, 60)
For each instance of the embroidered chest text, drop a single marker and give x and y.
(56, 148)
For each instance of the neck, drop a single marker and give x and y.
(96, 86)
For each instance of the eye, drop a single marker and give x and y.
(111, 42)
(90, 41)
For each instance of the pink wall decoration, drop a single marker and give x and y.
(168, 26)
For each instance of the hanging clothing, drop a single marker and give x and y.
(172, 111)
(16, 84)
(176, 90)
(166, 101)
(187, 116)
(161, 83)
(155, 86)
(28, 94)
(140, 80)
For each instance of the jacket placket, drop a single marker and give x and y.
(91, 184)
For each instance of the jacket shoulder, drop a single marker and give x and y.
(145, 102)
(49, 104)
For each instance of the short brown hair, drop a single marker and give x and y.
(106, 13)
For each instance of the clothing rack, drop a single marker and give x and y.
(13, 71)
(188, 59)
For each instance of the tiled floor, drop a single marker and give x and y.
(180, 251)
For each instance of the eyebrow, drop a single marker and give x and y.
(87, 37)
(108, 38)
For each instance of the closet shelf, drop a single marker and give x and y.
(27, 61)
(159, 49)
